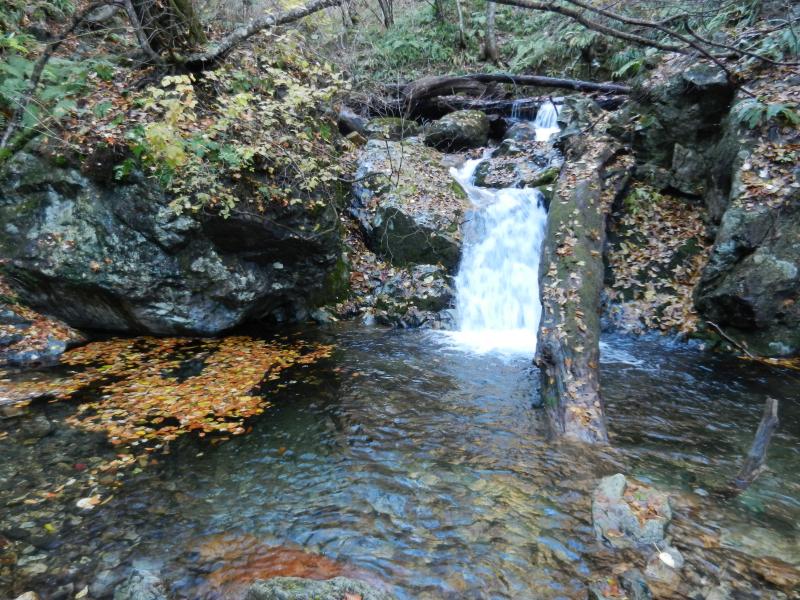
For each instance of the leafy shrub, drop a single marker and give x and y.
(754, 113)
(255, 127)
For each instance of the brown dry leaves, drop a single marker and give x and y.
(153, 390)
(657, 260)
(38, 330)
(768, 174)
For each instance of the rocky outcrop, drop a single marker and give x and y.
(750, 287)
(678, 128)
(459, 130)
(689, 143)
(408, 205)
(751, 284)
(296, 588)
(520, 163)
(114, 256)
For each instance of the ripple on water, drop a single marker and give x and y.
(412, 464)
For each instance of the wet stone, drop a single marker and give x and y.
(141, 585)
(626, 514)
(296, 588)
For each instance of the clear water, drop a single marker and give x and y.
(424, 469)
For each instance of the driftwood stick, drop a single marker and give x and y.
(753, 464)
(731, 340)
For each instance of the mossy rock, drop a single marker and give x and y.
(391, 128)
(459, 130)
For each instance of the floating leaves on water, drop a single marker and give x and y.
(146, 390)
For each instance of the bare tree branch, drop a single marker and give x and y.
(579, 17)
(218, 51)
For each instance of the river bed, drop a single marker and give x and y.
(424, 469)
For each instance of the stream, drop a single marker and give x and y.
(419, 462)
(424, 468)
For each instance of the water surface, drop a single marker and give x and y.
(424, 468)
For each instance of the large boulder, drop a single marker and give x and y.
(678, 127)
(459, 130)
(297, 588)
(751, 284)
(409, 206)
(114, 256)
(520, 163)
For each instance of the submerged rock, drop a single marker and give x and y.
(665, 565)
(296, 588)
(459, 130)
(520, 164)
(141, 585)
(114, 256)
(408, 205)
(626, 514)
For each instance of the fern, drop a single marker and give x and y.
(753, 113)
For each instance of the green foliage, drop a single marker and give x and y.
(416, 41)
(754, 113)
(63, 82)
(631, 62)
(254, 127)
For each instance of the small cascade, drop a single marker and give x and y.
(497, 286)
(516, 110)
(546, 122)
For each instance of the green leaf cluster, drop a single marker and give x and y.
(256, 127)
(753, 113)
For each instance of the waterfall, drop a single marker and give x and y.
(497, 286)
(546, 122)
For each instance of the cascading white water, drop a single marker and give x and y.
(546, 122)
(497, 286)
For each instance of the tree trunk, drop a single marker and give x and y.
(387, 10)
(347, 17)
(438, 10)
(170, 26)
(571, 275)
(462, 38)
(490, 51)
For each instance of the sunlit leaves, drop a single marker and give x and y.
(150, 390)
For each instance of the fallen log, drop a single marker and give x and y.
(481, 84)
(434, 96)
(571, 276)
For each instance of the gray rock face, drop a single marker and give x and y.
(141, 585)
(296, 588)
(408, 205)
(751, 284)
(116, 257)
(679, 128)
(459, 130)
(628, 515)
